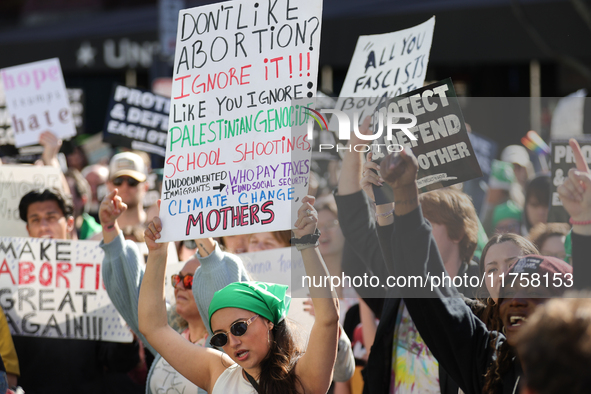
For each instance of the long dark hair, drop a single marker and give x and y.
(278, 368)
(491, 316)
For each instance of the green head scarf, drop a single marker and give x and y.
(265, 299)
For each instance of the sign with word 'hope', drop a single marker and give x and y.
(237, 156)
(37, 100)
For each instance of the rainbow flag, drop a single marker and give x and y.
(535, 143)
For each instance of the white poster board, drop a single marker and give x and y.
(237, 155)
(276, 266)
(37, 101)
(54, 289)
(266, 266)
(567, 119)
(384, 66)
(15, 182)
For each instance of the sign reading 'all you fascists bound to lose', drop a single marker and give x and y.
(37, 101)
(53, 288)
(137, 119)
(237, 155)
(442, 146)
(563, 160)
(384, 66)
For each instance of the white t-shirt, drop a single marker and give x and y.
(232, 381)
(167, 380)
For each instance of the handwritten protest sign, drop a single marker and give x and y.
(137, 119)
(563, 160)
(37, 100)
(235, 157)
(441, 143)
(284, 266)
(53, 288)
(15, 182)
(384, 66)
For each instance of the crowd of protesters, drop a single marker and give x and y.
(486, 339)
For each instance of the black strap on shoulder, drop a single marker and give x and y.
(252, 381)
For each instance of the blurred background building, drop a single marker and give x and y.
(490, 48)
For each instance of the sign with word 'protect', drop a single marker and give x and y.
(437, 136)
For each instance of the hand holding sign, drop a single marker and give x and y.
(152, 233)
(400, 172)
(575, 192)
(371, 176)
(307, 218)
(51, 147)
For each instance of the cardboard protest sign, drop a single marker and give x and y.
(441, 143)
(53, 288)
(15, 182)
(237, 156)
(563, 159)
(284, 266)
(567, 118)
(385, 66)
(137, 119)
(37, 100)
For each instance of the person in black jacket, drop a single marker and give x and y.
(370, 241)
(480, 361)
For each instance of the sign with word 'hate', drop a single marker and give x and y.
(37, 101)
(237, 155)
(53, 288)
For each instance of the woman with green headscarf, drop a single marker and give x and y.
(261, 354)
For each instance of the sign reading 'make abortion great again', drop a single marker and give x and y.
(237, 155)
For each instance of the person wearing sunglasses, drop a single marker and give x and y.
(127, 175)
(123, 271)
(261, 353)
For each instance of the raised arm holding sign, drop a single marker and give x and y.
(237, 157)
(243, 316)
